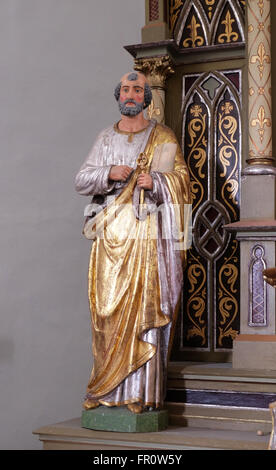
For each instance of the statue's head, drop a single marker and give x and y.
(133, 93)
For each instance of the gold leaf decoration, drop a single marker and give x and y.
(262, 57)
(153, 111)
(228, 155)
(175, 6)
(197, 146)
(228, 305)
(196, 304)
(210, 5)
(262, 121)
(229, 35)
(194, 39)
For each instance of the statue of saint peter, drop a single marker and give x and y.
(140, 186)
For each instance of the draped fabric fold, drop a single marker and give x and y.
(135, 272)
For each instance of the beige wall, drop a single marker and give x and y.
(59, 63)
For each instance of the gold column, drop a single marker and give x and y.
(259, 81)
(157, 70)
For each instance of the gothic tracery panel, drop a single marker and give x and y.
(212, 146)
(199, 23)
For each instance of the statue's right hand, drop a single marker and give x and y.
(120, 172)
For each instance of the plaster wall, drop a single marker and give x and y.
(59, 63)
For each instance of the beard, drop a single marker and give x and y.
(130, 110)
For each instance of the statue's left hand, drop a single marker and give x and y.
(145, 181)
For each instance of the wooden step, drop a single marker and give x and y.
(213, 376)
(217, 396)
(217, 407)
(69, 435)
(220, 417)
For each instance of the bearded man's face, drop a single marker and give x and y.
(132, 99)
(133, 110)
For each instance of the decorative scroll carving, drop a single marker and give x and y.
(174, 10)
(257, 288)
(228, 190)
(227, 297)
(196, 151)
(196, 302)
(228, 152)
(197, 132)
(211, 107)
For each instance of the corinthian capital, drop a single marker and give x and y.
(156, 69)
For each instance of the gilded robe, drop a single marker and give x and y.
(136, 265)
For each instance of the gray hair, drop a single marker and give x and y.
(147, 90)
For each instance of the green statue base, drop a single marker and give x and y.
(120, 419)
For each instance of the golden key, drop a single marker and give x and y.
(142, 162)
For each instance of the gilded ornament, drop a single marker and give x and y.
(260, 141)
(261, 6)
(174, 12)
(229, 35)
(216, 114)
(262, 121)
(228, 126)
(210, 4)
(227, 108)
(228, 305)
(251, 91)
(198, 144)
(196, 304)
(196, 110)
(201, 27)
(152, 111)
(262, 58)
(156, 69)
(194, 40)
